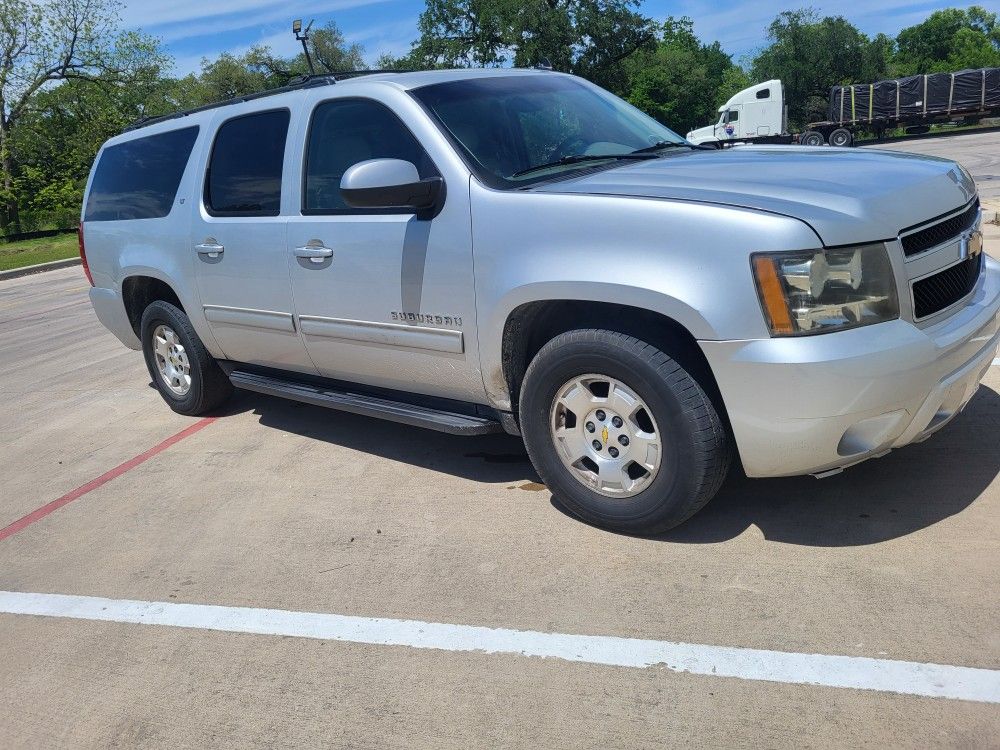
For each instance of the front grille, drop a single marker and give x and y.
(944, 289)
(935, 234)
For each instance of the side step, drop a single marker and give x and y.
(369, 406)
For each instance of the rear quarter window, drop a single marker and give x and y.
(138, 179)
(244, 171)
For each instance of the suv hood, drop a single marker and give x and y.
(847, 196)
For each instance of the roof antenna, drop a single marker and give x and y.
(543, 64)
(303, 36)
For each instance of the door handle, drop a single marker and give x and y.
(210, 248)
(316, 253)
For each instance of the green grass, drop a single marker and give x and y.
(30, 252)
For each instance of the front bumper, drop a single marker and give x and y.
(815, 404)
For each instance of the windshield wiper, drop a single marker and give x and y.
(575, 159)
(659, 146)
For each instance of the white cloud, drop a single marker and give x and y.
(152, 13)
(387, 38)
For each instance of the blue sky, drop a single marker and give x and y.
(192, 29)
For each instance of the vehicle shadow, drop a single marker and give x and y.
(908, 490)
(489, 458)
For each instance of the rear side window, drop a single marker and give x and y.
(344, 132)
(764, 93)
(244, 172)
(138, 179)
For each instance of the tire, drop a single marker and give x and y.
(208, 385)
(694, 451)
(812, 138)
(841, 138)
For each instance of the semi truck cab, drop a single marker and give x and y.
(756, 114)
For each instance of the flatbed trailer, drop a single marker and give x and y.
(913, 102)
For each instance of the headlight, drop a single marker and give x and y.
(825, 290)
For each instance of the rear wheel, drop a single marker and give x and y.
(812, 138)
(185, 374)
(841, 137)
(621, 434)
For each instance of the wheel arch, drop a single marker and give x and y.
(139, 290)
(530, 325)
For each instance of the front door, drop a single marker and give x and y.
(382, 297)
(239, 238)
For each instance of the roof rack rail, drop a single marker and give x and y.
(299, 82)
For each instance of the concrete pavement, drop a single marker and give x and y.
(284, 506)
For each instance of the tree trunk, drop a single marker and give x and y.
(10, 219)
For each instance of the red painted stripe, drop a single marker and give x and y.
(93, 484)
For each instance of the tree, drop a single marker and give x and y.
(950, 39)
(258, 69)
(811, 54)
(589, 37)
(681, 82)
(55, 140)
(41, 42)
(331, 52)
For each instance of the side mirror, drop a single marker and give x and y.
(391, 183)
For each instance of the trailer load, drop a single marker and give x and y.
(916, 97)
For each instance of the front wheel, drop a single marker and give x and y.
(623, 436)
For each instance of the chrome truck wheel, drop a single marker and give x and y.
(172, 360)
(620, 432)
(605, 435)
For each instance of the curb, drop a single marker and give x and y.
(16, 273)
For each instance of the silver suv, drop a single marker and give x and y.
(483, 250)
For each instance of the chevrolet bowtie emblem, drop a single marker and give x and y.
(971, 245)
(604, 434)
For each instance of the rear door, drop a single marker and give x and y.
(238, 237)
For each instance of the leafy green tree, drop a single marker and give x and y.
(588, 37)
(42, 42)
(950, 39)
(681, 82)
(59, 132)
(811, 54)
(331, 52)
(258, 69)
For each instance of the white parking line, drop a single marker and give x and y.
(906, 677)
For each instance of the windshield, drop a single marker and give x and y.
(513, 125)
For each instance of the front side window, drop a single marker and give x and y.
(344, 132)
(138, 179)
(733, 115)
(244, 172)
(510, 126)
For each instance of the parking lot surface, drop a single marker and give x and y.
(278, 506)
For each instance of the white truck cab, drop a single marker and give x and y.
(754, 115)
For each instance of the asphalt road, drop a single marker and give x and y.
(286, 507)
(977, 152)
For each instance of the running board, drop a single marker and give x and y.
(369, 406)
